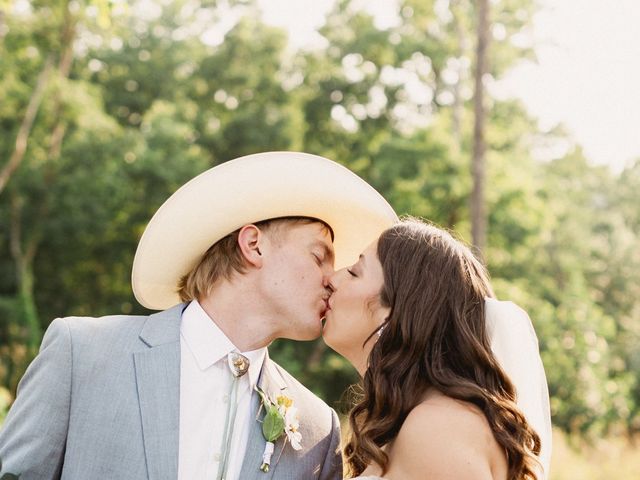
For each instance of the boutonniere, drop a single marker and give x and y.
(281, 418)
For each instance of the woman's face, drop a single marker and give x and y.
(354, 308)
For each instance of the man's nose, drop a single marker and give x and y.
(328, 286)
(333, 280)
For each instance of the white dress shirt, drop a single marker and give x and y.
(205, 381)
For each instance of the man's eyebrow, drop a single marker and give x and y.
(328, 252)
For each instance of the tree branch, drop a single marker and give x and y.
(27, 123)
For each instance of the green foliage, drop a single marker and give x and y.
(5, 402)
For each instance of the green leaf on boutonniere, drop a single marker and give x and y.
(280, 419)
(273, 424)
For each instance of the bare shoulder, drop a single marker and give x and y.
(450, 418)
(444, 438)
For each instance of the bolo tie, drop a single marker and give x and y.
(239, 365)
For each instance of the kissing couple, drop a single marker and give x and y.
(287, 245)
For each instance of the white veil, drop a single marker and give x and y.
(515, 345)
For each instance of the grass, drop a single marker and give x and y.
(605, 459)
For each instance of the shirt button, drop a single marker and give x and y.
(216, 457)
(225, 399)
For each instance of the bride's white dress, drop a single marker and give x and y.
(515, 345)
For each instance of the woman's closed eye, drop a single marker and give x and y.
(351, 272)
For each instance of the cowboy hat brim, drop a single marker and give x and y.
(246, 190)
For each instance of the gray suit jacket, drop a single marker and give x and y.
(102, 401)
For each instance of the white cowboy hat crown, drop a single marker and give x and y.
(246, 190)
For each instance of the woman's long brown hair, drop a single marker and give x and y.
(434, 337)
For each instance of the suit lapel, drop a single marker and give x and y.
(158, 380)
(272, 383)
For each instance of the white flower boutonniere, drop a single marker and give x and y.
(281, 418)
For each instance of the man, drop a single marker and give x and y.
(238, 256)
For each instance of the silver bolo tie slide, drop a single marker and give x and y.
(239, 365)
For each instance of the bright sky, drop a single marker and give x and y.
(587, 76)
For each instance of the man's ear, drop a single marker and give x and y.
(250, 239)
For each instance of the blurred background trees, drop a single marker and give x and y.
(107, 107)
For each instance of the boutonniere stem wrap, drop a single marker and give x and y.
(281, 418)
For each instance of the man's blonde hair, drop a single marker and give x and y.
(224, 258)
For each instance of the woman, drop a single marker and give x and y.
(412, 316)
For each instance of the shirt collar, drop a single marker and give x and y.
(209, 344)
(256, 359)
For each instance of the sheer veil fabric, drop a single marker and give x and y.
(515, 345)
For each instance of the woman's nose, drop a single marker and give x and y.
(335, 278)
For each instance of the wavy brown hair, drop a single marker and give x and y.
(434, 338)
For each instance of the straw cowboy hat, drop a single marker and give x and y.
(245, 190)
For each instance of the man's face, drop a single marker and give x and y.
(298, 261)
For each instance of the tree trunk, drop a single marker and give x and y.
(458, 101)
(478, 213)
(23, 261)
(67, 36)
